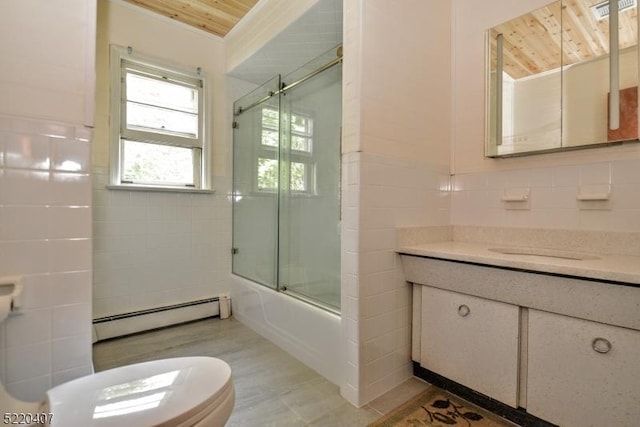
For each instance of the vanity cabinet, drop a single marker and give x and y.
(582, 373)
(563, 349)
(471, 340)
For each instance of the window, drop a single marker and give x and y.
(301, 162)
(157, 127)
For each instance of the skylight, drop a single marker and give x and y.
(601, 10)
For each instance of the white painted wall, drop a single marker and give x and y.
(153, 249)
(263, 22)
(46, 81)
(537, 112)
(47, 59)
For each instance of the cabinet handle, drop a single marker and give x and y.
(601, 345)
(464, 310)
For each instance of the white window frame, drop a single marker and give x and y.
(296, 156)
(122, 57)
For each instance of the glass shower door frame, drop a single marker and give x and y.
(255, 237)
(302, 233)
(309, 213)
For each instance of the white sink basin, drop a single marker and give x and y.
(550, 253)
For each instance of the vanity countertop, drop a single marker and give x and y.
(617, 268)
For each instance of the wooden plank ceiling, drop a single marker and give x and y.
(536, 42)
(213, 16)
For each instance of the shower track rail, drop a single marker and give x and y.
(291, 86)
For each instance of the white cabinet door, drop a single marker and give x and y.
(472, 341)
(582, 373)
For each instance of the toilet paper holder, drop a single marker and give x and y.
(12, 287)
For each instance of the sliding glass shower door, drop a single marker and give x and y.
(287, 184)
(255, 181)
(309, 258)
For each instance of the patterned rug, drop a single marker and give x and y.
(436, 407)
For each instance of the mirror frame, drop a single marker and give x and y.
(490, 148)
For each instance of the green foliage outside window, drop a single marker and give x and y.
(301, 137)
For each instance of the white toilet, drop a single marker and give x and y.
(183, 391)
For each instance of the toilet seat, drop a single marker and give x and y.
(185, 391)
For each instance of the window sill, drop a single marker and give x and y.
(155, 188)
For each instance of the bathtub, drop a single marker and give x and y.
(308, 333)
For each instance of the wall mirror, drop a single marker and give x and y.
(564, 76)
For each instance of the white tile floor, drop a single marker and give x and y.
(272, 388)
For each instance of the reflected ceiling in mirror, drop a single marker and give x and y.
(549, 79)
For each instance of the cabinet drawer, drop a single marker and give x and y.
(472, 341)
(582, 373)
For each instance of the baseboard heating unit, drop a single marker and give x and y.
(143, 320)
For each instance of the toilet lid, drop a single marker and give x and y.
(162, 392)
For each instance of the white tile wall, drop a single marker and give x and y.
(350, 290)
(553, 197)
(393, 193)
(153, 249)
(380, 194)
(395, 166)
(45, 236)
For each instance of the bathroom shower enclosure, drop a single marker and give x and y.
(286, 183)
